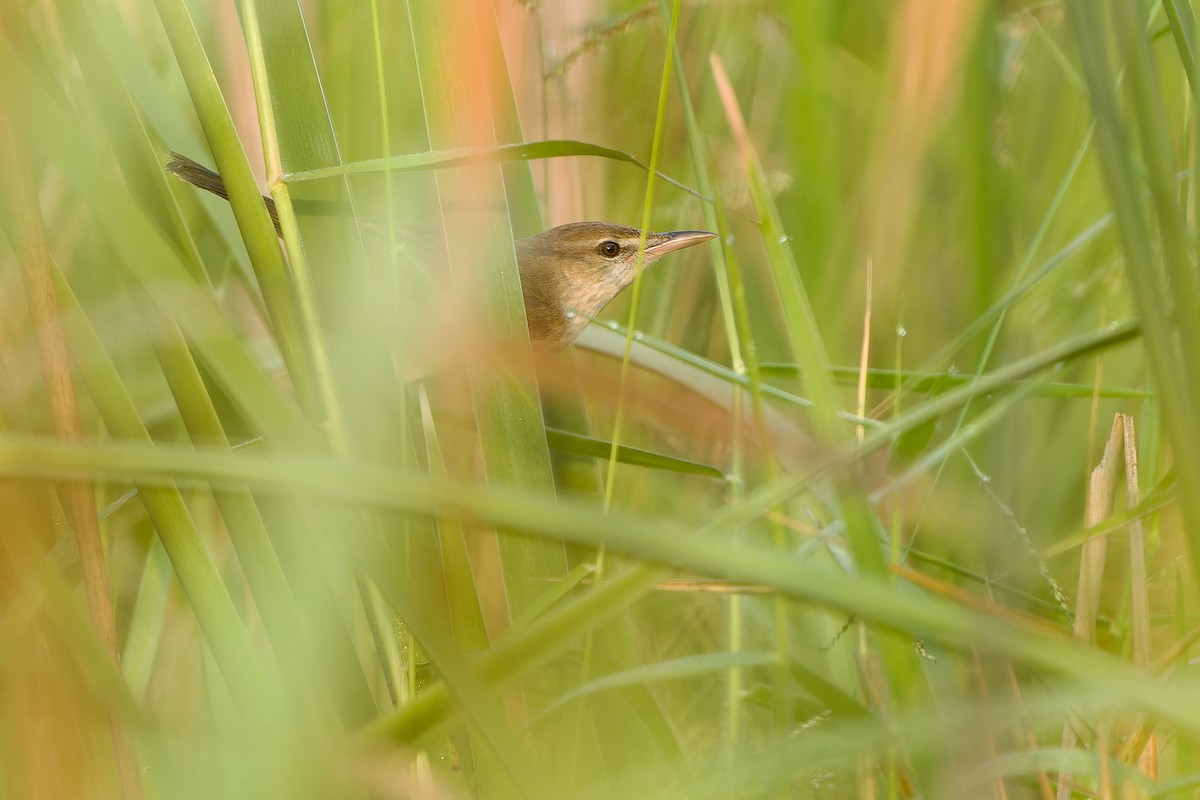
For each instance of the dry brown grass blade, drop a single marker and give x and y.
(1139, 593)
(969, 600)
(1101, 488)
(1101, 485)
(864, 358)
(1120, 454)
(33, 253)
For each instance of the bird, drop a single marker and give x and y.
(568, 273)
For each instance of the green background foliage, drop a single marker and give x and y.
(360, 538)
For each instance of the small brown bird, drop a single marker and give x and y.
(568, 273)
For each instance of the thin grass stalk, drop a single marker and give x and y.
(604, 755)
(1010, 298)
(803, 335)
(295, 434)
(747, 359)
(1157, 149)
(512, 429)
(1175, 370)
(924, 382)
(462, 88)
(1101, 485)
(731, 292)
(936, 456)
(614, 641)
(1147, 757)
(25, 228)
(1183, 29)
(152, 261)
(523, 650)
(761, 500)
(704, 184)
(297, 135)
(244, 197)
(1024, 266)
(636, 291)
(609, 482)
(139, 161)
(340, 312)
(385, 147)
(504, 154)
(1150, 116)
(264, 573)
(466, 612)
(474, 698)
(144, 634)
(861, 523)
(223, 629)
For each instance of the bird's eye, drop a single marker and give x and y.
(609, 249)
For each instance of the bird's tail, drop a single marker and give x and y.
(201, 176)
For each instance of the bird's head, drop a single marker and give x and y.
(570, 272)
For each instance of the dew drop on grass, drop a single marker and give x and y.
(901, 331)
(729, 240)
(570, 315)
(784, 239)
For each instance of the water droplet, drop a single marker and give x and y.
(784, 239)
(901, 331)
(637, 335)
(570, 315)
(729, 240)
(953, 370)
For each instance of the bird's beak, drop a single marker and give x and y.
(677, 240)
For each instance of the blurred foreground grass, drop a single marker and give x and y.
(307, 517)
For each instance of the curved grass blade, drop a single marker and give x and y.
(454, 157)
(938, 382)
(153, 262)
(934, 618)
(575, 444)
(270, 268)
(226, 633)
(674, 670)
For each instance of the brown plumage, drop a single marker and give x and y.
(568, 273)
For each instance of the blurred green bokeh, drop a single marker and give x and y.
(361, 539)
